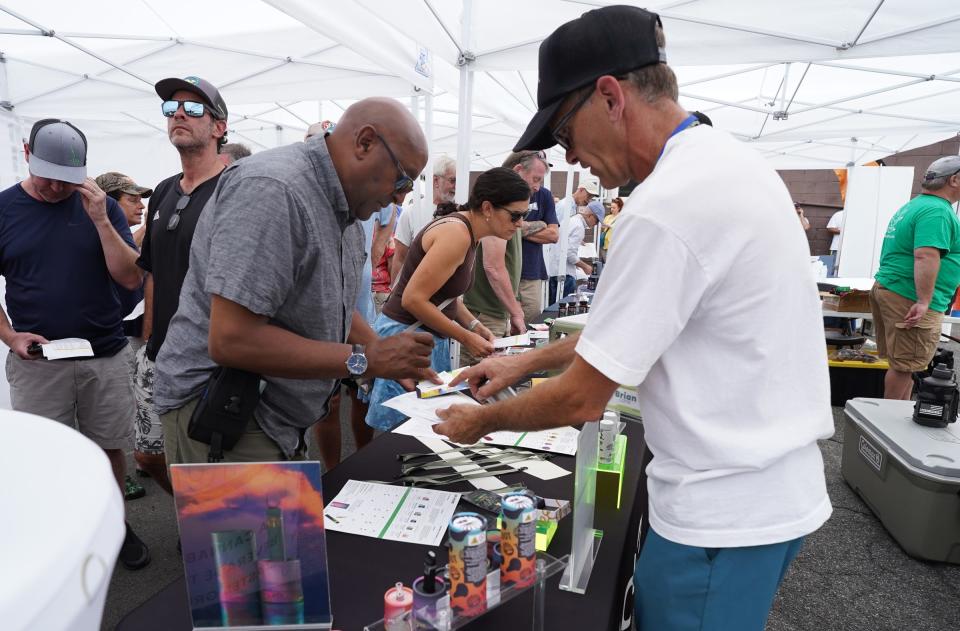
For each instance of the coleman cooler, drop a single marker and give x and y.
(909, 475)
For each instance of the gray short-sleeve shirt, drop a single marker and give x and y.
(277, 238)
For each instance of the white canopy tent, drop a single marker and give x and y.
(813, 84)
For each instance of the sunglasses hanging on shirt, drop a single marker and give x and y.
(175, 217)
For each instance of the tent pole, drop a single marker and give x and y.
(428, 132)
(418, 183)
(10, 165)
(464, 117)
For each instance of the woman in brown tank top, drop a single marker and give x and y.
(439, 267)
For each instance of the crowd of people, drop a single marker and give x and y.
(280, 277)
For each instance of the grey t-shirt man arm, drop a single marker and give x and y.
(278, 239)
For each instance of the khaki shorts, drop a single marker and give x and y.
(907, 350)
(500, 327)
(531, 299)
(93, 396)
(253, 446)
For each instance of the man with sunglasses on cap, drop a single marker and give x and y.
(918, 277)
(63, 245)
(732, 407)
(274, 275)
(197, 127)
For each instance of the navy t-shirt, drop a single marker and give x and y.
(58, 284)
(543, 209)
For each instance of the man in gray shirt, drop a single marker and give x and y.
(274, 274)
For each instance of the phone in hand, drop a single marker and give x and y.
(34, 348)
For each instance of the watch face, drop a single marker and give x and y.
(357, 364)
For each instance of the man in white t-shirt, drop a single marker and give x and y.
(834, 227)
(554, 254)
(732, 407)
(412, 220)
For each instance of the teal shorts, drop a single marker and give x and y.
(686, 588)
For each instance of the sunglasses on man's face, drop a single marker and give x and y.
(515, 215)
(194, 109)
(175, 217)
(404, 183)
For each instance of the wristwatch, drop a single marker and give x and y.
(357, 361)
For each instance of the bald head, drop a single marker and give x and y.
(361, 146)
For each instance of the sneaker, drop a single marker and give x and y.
(132, 489)
(134, 553)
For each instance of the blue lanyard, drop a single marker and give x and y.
(689, 121)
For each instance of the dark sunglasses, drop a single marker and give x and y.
(559, 131)
(175, 217)
(515, 216)
(190, 108)
(404, 183)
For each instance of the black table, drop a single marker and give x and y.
(362, 569)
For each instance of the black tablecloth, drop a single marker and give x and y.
(362, 569)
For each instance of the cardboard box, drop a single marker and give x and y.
(856, 300)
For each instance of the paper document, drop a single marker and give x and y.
(408, 403)
(398, 513)
(426, 389)
(514, 340)
(66, 348)
(136, 313)
(562, 440)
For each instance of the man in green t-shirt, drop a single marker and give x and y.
(918, 275)
(494, 294)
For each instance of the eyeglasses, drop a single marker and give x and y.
(515, 216)
(404, 183)
(194, 109)
(559, 131)
(175, 217)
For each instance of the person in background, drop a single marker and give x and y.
(233, 151)
(918, 276)
(555, 254)
(412, 220)
(196, 117)
(439, 269)
(606, 228)
(587, 217)
(835, 227)
(64, 247)
(128, 195)
(804, 222)
(382, 281)
(737, 478)
(540, 227)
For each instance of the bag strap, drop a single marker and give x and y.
(443, 305)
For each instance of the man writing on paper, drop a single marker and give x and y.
(274, 293)
(918, 275)
(737, 478)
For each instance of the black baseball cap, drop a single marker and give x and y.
(611, 40)
(201, 87)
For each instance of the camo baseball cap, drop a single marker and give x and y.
(201, 87)
(113, 181)
(58, 151)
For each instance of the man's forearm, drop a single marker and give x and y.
(6, 331)
(120, 257)
(360, 330)
(239, 339)
(550, 233)
(503, 289)
(554, 356)
(925, 270)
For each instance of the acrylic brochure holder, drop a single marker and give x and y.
(547, 566)
(585, 542)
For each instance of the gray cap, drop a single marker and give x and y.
(943, 167)
(58, 151)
